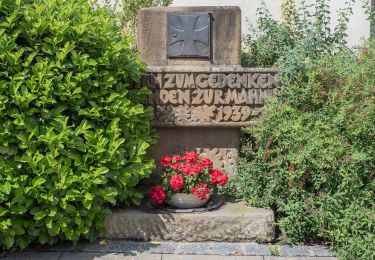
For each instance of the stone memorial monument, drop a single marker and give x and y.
(201, 95)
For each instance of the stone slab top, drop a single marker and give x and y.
(215, 42)
(210, 68)
(233, 222)
(229, 209)
(192, 8)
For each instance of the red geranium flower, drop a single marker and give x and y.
(187, 169)
(176, 166)
(166, 160)
(201, 192)
(197, 168)
(206, 163)
(190, 157)
(191, 169)
(218, 177)
(176, 182)
(176, 158)
(158, 194)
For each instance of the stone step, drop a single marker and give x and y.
(233, 222)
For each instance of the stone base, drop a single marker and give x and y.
(233, 222)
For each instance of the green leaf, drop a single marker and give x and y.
(43, 238)
(52, 211)
(9, 241)
(137, 198)
(87, 201)
(18, 210)
(39, 215)
(100, 171)
(88, 196)
(73, 195)
(38, 181)
(110, 194)
(6, 188)
(3, 211)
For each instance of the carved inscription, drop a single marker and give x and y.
(199, 99)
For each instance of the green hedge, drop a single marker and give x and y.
(311, 157)
(73, 136)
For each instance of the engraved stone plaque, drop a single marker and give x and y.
(189, 35)
(209, 99)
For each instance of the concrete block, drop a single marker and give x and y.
(210, 257)
(30, 255)
(255, 249)
(321, 251)
(294, 251)
(297, 258)
(108, 256)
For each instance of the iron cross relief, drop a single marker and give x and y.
(189, 35)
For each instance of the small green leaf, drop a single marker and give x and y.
(38, 181)
(3, 211)
(73, 195)
(43, 238)
(6, 188)
(9, 241)
(40, 215)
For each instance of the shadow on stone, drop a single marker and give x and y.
(87, 250)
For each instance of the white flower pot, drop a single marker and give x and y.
(187, 201)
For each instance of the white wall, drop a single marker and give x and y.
(359, 27)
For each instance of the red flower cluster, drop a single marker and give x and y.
(202, 191)
(189, 173)
(166, 160)
(176, 166)
(190, 157)
(218, 177)
(176, 182)
(191, 169)
(158, 194)
(190, 163)
(206, 163)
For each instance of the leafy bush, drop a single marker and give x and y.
(298, 41)
(311, 156)
(73, 136)
(126, 11)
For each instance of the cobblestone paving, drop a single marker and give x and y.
(126, 250)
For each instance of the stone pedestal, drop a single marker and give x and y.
(200, 94)
(201, 97)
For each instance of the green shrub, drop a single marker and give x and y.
(73, 136)
(296, 43)
(126, 12)
(311, 156)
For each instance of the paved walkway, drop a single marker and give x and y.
(126, 250)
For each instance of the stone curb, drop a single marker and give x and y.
(187, 248)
